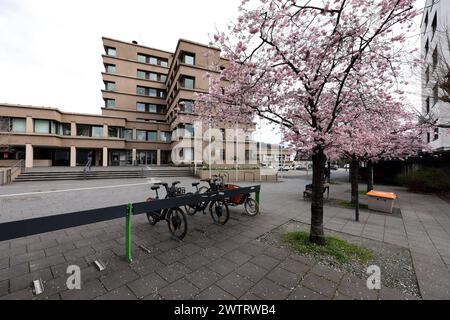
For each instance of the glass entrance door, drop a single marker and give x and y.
(147, 158)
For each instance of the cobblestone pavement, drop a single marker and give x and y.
(213, 262)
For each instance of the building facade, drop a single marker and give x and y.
(435, 34)
(148, 99)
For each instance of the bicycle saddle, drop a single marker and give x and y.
(175, 183)
(164, 184)
(196, 184)
(154, 188)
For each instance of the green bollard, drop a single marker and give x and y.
(128, 245)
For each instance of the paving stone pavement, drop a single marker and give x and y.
(213, 262)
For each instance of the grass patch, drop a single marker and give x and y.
(349, 205)
(362, 193)
(338, 249)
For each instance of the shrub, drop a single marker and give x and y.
(427, 180)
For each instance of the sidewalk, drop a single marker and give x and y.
(223, 262)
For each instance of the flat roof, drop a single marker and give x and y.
(59, 111)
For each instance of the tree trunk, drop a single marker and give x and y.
(329, 173)
(369, 176)
(354, 179)
(317, 234)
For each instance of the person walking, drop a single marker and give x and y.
(89, 161)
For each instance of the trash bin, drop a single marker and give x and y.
(382, 201)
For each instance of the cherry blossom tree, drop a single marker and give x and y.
(306, 66)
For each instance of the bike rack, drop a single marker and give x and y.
(19, 229)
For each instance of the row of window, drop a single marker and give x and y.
(153, 76)
(185, 82)
(141, 74)
(53, 127)
(186, 58)
(144, 135)
(150, 108)
(150, 92)
(143, 58)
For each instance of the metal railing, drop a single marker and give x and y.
(11, 173)
(23, 228)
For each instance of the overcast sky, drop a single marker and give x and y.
(50, 50)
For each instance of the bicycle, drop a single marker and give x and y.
(251, 206)
(175, 217)
(218, 209)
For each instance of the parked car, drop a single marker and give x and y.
(334, 167)
(284, 168)
(300, 168)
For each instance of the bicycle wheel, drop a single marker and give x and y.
(177, 223)
(152, 218)
(191, 209)
(251, 207)
(203, 190)
(219, 212)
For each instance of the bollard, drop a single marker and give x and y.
(128, 245)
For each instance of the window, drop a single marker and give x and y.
(140, 107)
(141, 74)
(189, 58)
(128, 134)
(151, 92)
(110, 103)
(152, 136)
(83, 130)
(428, 137)
(97, 132)
(427, 74)
(65, 129)
(42, 126)
(427, 105)
(150, 107)
(142, 58)
(19, 125)
(153, 76)
(434, 24)
(141, 135)
(435, 93)
(165, 136)
(187, 106)
(110, 68)
(187, 82)
(188, 130)
(141, 91)
(111, 51)
(427, 47)
(153, 60)
(110, 86)
(435, 58)
(113, 132)
(426, 21)
(436, 134)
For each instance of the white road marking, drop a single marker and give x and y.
(79, 189)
